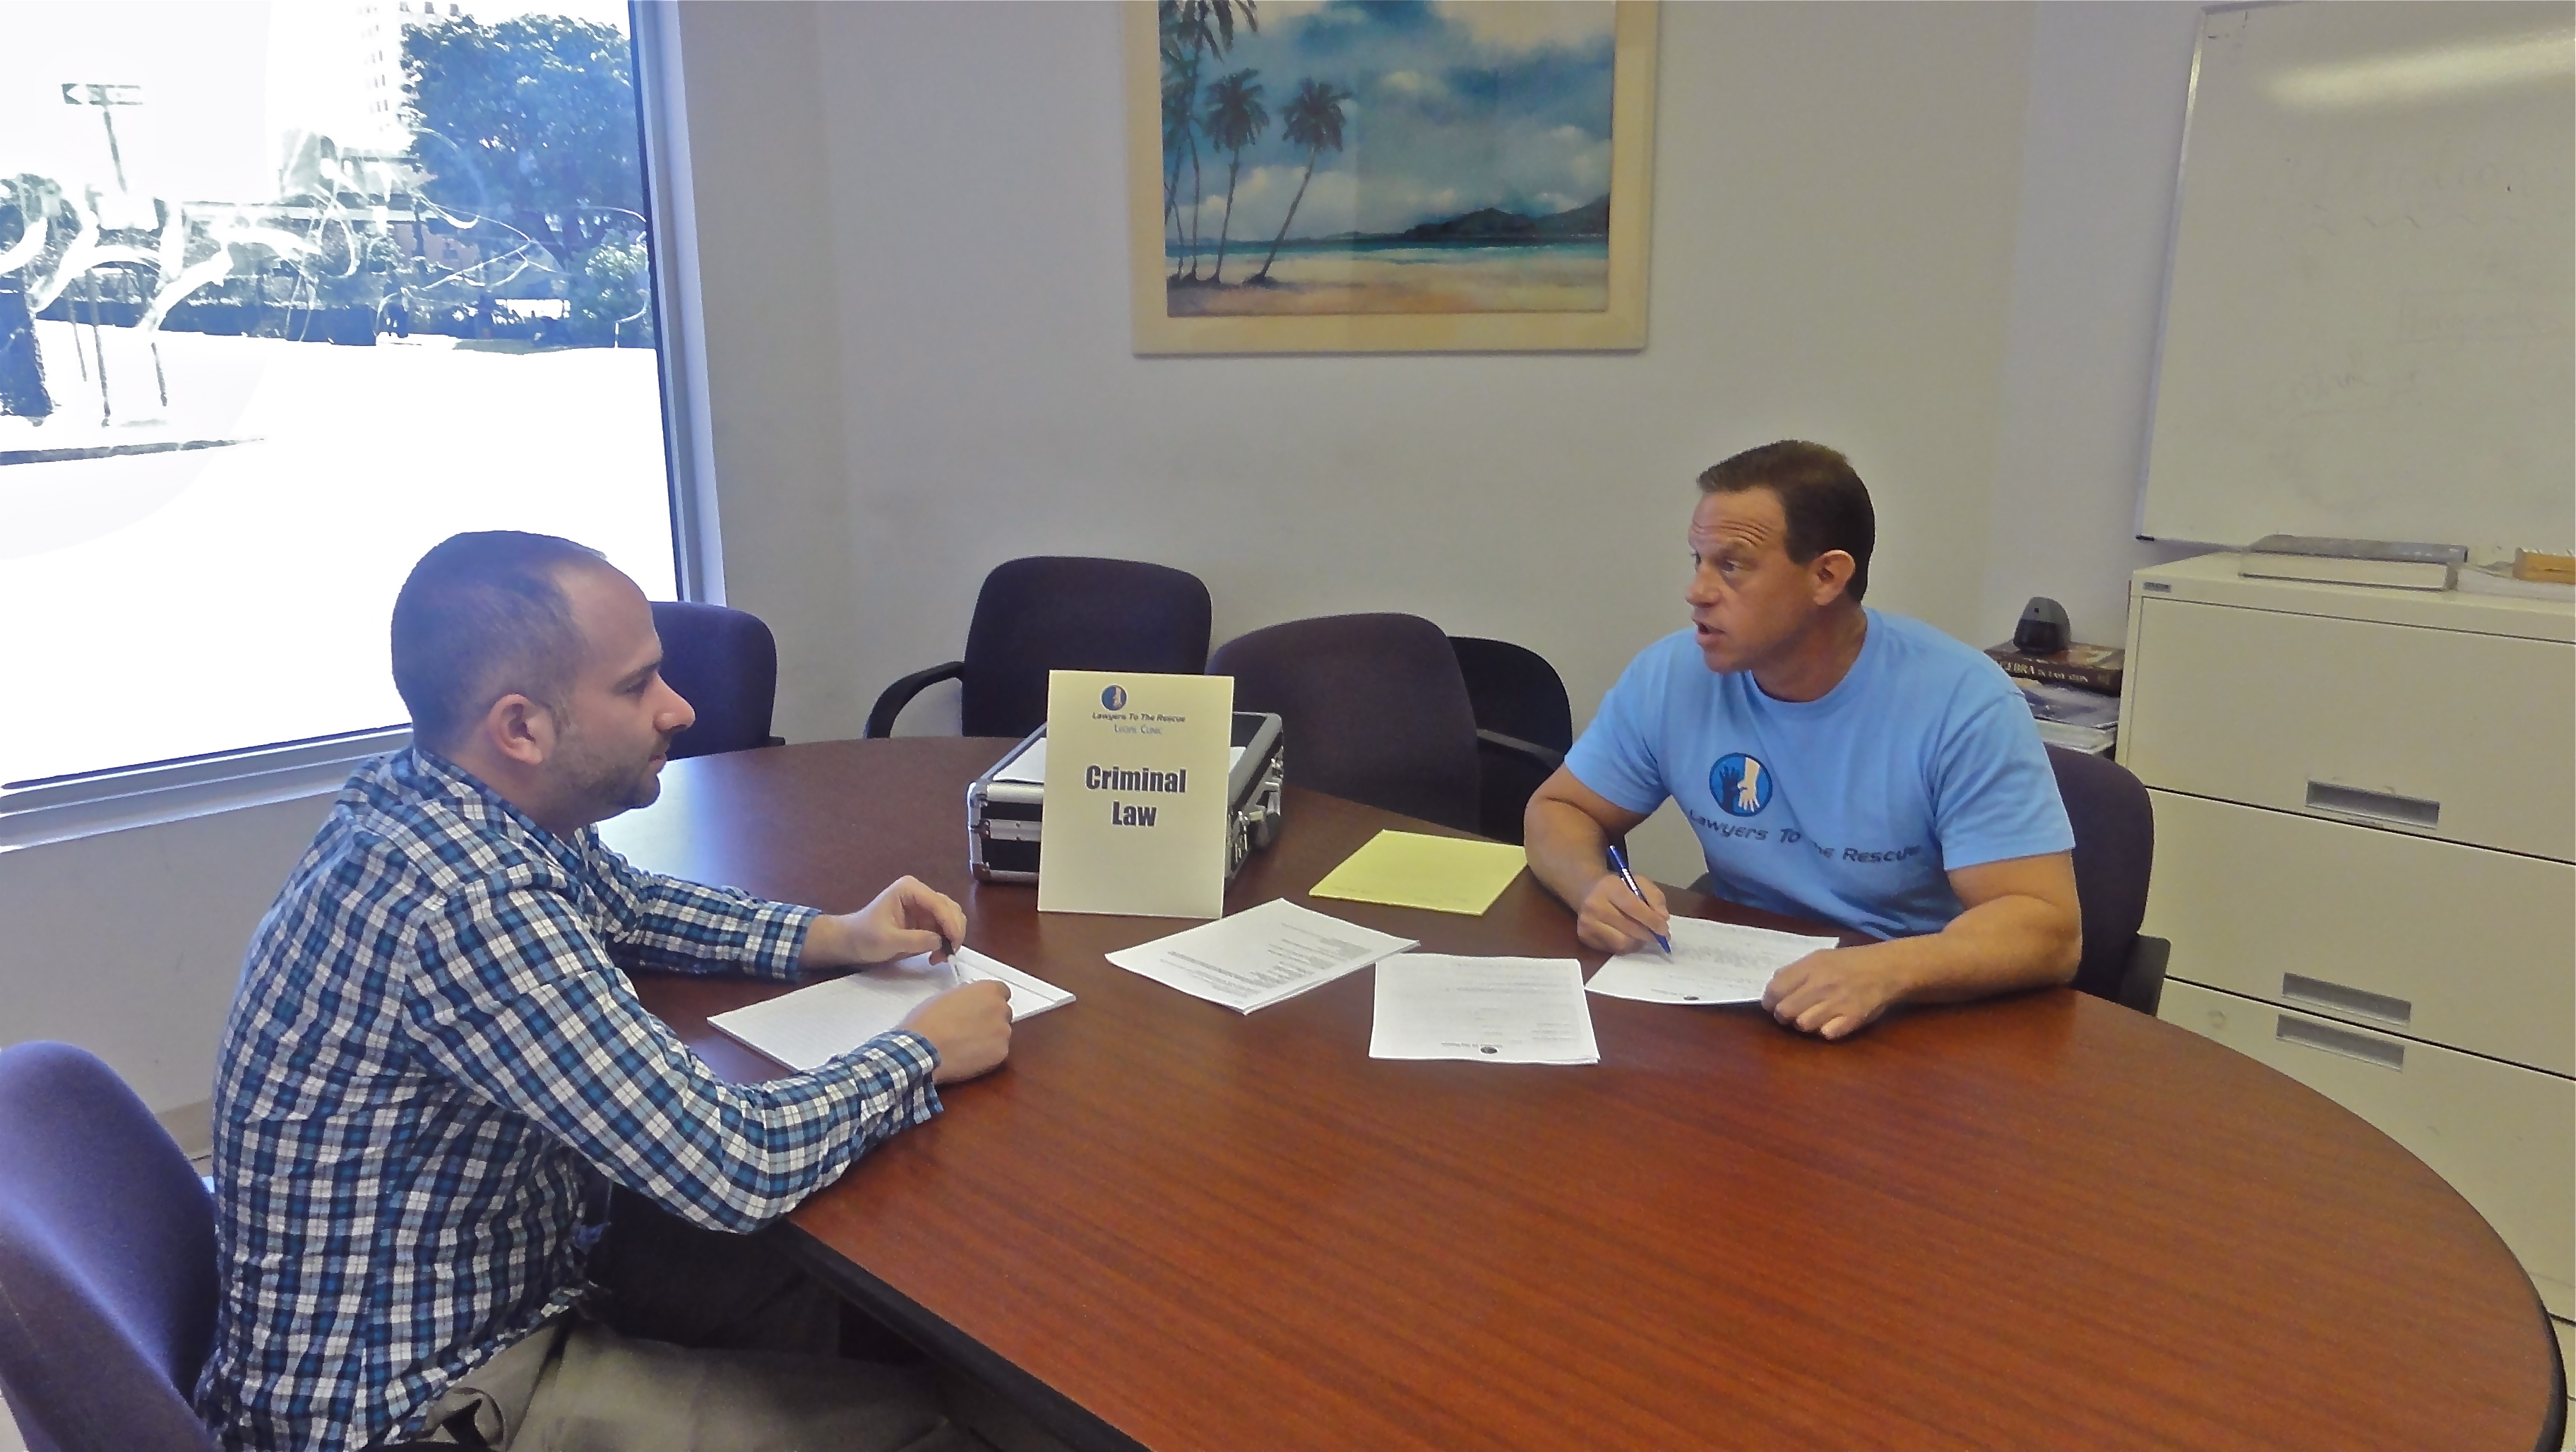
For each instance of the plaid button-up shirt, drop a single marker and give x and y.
(433, 1054)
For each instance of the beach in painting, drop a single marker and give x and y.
(1364, 156)
(1562, 277)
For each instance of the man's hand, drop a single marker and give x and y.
(1835, 993)
(905, 919)
(970, 1026)
(1567, 830)
(1616, 920)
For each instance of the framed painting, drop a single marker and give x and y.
(1389, 176)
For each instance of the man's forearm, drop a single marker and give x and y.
(1566, 849)
(1994, 947)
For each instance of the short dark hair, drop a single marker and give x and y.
(1825, 503)
(480, 616)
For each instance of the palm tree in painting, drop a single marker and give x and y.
(1235, 118)
(1192, 31)
(1180, 133)
(1311, 119)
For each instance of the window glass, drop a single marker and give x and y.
(289, 293)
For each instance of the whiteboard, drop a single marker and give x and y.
(2369, 326)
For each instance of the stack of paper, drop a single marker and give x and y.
(1492, 1010)
(1260, 955)
(813, 1026)
(1412, 869)
(1710, 963)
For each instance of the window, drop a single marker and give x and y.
(284, 302)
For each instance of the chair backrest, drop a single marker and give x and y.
(1515, 693)
(1065, 612)
(1373, 706)
(725, 664)
(107, 1261)
(2115, 848)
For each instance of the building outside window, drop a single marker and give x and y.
(288, 293)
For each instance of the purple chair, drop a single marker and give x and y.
(107, 1261)
(2115, 849)
(1060, 612)
(1374, 708)
(724, 663)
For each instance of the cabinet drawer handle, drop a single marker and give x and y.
(2340, 1041)
(2378, 806)
(2349, 1000)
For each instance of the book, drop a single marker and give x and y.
(2391, 564)
(2088, 667)
(2084, 720)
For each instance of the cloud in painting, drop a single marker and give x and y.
(1455, 107)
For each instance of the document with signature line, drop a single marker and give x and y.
(1260, 955)
(1491, 1010)
(1710, 963)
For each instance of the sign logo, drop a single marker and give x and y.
(1741, 784)
(1113, 698)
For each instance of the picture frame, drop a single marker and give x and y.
(1510, 281)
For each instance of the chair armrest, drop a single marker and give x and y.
(899, 695)
(1547, 758)
(2143, 986)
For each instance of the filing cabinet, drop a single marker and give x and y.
(2365, 810)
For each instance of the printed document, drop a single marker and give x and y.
(813, 1026)
(1260, 955)
(1710, 963)
(1491, 1010)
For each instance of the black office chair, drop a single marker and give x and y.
(107, 1261)
(2115, 849)
(724, 663)
(1373, 706)
(1524, 727)
(1058, 612)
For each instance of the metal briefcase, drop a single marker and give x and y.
(1007, 804)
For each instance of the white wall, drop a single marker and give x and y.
(129, 943)
(1833, 242)
(1929, 235)
(2104, 128)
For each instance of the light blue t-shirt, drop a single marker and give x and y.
(1848, 809)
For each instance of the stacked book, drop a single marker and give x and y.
(2392, 564)
(2074, 694)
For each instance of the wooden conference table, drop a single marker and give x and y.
(2044, 1221)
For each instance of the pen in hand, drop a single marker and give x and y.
(1620, 862)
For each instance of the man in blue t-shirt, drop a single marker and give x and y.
(1838, 764)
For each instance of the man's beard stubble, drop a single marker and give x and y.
(607, 786)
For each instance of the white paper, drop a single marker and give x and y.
(1029, 767)
(813, 1026)
(1491, 1010)
(1260, 955)
(1710, 963)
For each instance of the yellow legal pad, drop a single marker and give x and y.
(1408, 869)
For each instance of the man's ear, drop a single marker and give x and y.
(1831, 574)
(520, 729)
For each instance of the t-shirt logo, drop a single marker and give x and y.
(1741, 784)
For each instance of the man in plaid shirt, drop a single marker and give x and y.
(435, 1060)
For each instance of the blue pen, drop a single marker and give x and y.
(1620, 862)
